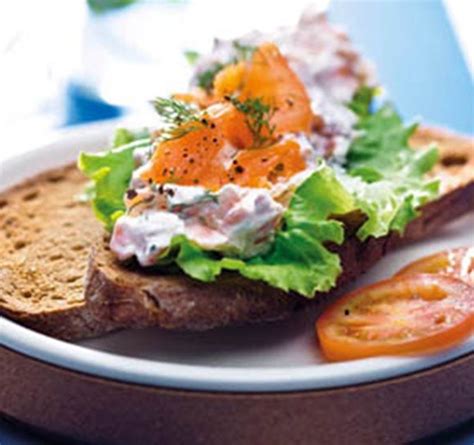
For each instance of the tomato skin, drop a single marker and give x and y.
(458, 263)
(407, 315)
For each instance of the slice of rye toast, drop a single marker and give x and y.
(58, 276)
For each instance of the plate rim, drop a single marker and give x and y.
(216, 378)
(185, 376)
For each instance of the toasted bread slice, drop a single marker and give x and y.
(58, 276)
(45, 234)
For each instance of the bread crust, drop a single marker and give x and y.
(115, 296)
(133, 297)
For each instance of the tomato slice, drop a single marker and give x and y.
(458, 263)
(413, 314)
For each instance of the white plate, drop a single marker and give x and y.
(279, 356)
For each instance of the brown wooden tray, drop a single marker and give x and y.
(103, 411)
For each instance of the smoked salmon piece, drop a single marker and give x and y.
(268, 77)
(204, 159)
(200, 150)
(262, 167)
(236, 138)
(191, 159)
(229, 80)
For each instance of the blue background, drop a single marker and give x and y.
(421, 65)
(417, 57)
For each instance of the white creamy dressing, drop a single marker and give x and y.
(320, 53)
(235, 221)
(323, 55)
(334, 139)
(238, 221)
(241, 221)
(142, 155)
(186, 195)
(145, 236)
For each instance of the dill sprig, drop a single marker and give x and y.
(258, 115)
(175, 113)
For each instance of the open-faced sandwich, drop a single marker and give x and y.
(280, 176)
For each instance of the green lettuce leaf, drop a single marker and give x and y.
(361, 103)
(387, 177)
(389, 204)
(125, 136)
(383, 178)
(298, 260)
(101, 6)
(110, 173)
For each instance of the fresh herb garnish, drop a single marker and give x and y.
(205, 79)
(176, 113)
(258, 115)
(192, 57)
